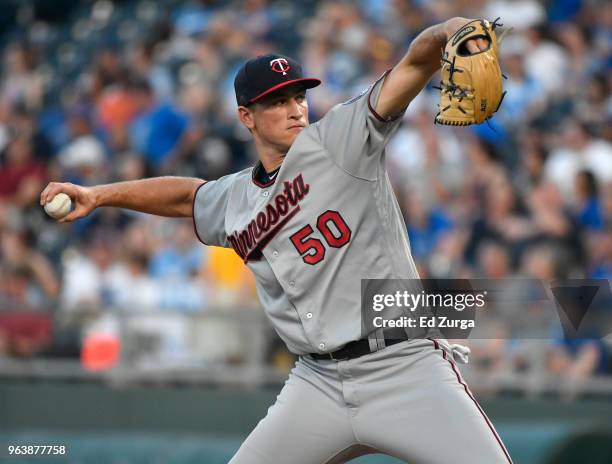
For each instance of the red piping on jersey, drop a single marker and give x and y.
(469, 393)
(259, 184)
(376, 115)
(195, 228)
(285, 84)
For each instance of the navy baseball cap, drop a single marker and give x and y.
(265, 74)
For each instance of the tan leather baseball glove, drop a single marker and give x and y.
(471, 87)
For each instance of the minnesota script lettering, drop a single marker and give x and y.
(249, 242)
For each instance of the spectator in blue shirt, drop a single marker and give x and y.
(588, 207)
(425, 226)
(181, 259)
(160, 131)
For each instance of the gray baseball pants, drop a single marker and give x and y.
(407, 400)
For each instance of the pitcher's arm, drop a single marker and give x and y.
(162, 196)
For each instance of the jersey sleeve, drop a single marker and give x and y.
(209, 210)
(355, 135)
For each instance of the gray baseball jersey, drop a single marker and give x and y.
(329, 219)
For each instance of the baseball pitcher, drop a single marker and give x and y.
(311, 219)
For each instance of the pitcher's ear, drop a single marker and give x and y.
(246, 117)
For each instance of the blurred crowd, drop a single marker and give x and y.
(119, 90)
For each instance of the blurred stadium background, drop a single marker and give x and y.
(129, 342)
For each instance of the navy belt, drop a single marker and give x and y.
(358, 348)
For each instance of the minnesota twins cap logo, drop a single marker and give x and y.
(254, 79)
(280, 65)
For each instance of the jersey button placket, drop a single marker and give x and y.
(321, 346)
(265, 193)
(275, 254)
(308, 315)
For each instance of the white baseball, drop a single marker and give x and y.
(59, 207)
